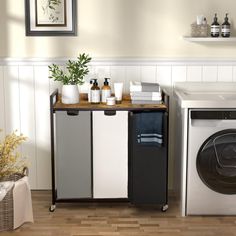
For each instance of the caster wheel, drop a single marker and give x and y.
(52, 208)
(164, 208)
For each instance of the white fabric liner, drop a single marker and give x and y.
(22, 202)
(5, 187)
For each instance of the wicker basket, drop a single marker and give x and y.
(199, 30)
(6, 205)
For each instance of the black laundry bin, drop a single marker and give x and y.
(148, 163)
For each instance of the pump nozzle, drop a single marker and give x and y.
(95, 81)
(215, 18)
(106, 82)
(226, 17)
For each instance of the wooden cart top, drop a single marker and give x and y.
(126, 105)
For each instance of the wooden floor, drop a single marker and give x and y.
(108, 219)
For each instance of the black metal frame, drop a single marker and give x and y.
(91, 135)
(166, 100)
(166, 138)
(54, 97)
(30, 32)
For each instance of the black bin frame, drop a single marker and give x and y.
(148, 165)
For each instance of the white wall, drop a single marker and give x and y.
(106, 29)
(120, 28)
(25, 90)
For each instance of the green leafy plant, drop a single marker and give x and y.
(76, 70)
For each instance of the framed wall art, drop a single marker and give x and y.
(51, 17)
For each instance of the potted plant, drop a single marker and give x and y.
(71, 78)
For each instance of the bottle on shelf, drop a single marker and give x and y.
(106, 90)
(95, 92)
(215, 28)
(225, 28)
(89, 89)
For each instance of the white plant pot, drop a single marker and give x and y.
(70, 94)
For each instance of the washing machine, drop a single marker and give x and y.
(211, 162)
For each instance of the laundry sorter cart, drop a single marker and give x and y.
(83, 172)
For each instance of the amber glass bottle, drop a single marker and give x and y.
(106, 91)
(95, 92)
(225, 29)
(215, 28)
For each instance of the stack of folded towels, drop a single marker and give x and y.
(145, 93)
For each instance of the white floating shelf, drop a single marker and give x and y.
(209, 39)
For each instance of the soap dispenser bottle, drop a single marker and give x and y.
(89, 89)
(95, 92)
(215, 28)
(106, 90)
(225, 29)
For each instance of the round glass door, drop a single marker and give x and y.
(216, 162)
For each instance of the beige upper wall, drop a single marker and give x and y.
(120, 28)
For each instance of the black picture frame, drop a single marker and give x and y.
(33, 29)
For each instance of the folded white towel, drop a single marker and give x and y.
(4, 188)
(154, 98)
(145, 94)
(144, 87)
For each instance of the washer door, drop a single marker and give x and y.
(216, 162)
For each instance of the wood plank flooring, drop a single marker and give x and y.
(118, 219)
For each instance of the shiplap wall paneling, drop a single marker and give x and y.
(179, 74)
(163, 77)
(42, 124)
(27, 119)
(209, 73)
(118, 74)
(194, 73)
(225, 73)
(2, 105)
(133, 73)
(101, 72)
(12, 99)
(148, 74)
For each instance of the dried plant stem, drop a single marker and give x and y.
(10, 160)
